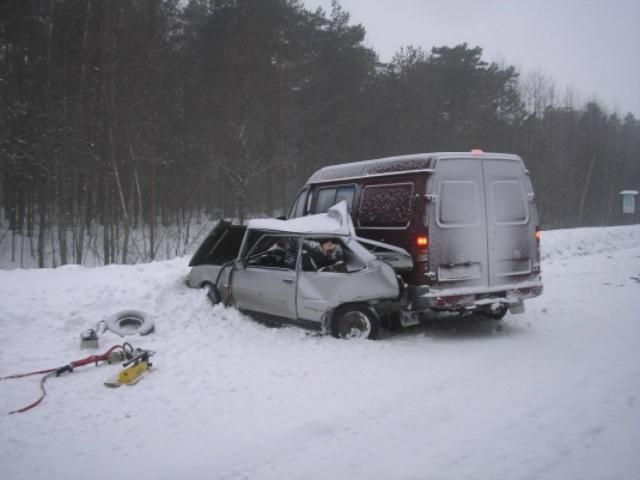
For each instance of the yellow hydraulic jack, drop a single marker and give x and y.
(136, 367)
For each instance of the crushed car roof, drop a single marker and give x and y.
(336, 221)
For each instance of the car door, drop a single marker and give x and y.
(359, 278)
(264, 285)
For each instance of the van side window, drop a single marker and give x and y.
(294, 208)
(328, 197)
(386, 205)
(345, 193)
(298, 208)
(459, 203)
(510, 205)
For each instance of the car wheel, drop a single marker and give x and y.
(497, 313)
(355, 321)
(212, 294)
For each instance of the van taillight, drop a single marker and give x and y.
(538, 234)
(422, 244)
(422, 241)
(421, 258)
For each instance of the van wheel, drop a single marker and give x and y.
(212, 294)
(355, 321)
(496, 314)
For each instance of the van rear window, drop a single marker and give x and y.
(386, 205)
(510, 205)
(459, 203)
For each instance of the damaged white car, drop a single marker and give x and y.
(274, 270)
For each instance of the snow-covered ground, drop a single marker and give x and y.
(554, 394)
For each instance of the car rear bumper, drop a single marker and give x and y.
(471, 298)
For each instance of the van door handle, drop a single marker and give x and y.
(287, 280)
(467, 263)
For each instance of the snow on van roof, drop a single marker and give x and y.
(336, 221)
(394, 165)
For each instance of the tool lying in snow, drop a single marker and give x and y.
(89, 338)
(117, 353)
(136, 367)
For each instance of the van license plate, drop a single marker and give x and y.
(459, 272)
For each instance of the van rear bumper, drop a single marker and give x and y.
(470, 298)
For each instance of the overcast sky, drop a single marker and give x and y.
(591, 45)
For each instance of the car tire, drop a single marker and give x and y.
(130, 322)
(355, 321)
(212, 294)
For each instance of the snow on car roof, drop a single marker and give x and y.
(336, 221)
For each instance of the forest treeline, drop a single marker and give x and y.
(123, 115)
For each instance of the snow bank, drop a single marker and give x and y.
(587, 241)
(554, 394)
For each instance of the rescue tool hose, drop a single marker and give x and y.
(126, 348)
(37, 402)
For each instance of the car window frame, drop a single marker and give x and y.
(346, 243)
(245, 256)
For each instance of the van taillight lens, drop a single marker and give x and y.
(538, 234)
(421, 258)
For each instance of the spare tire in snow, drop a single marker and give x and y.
(130, 322)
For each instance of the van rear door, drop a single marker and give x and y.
(482, 229)
(511, 221)
(458, 253)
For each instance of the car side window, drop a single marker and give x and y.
(325, 254)
(274, 251)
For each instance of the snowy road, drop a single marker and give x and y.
(554, 395)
